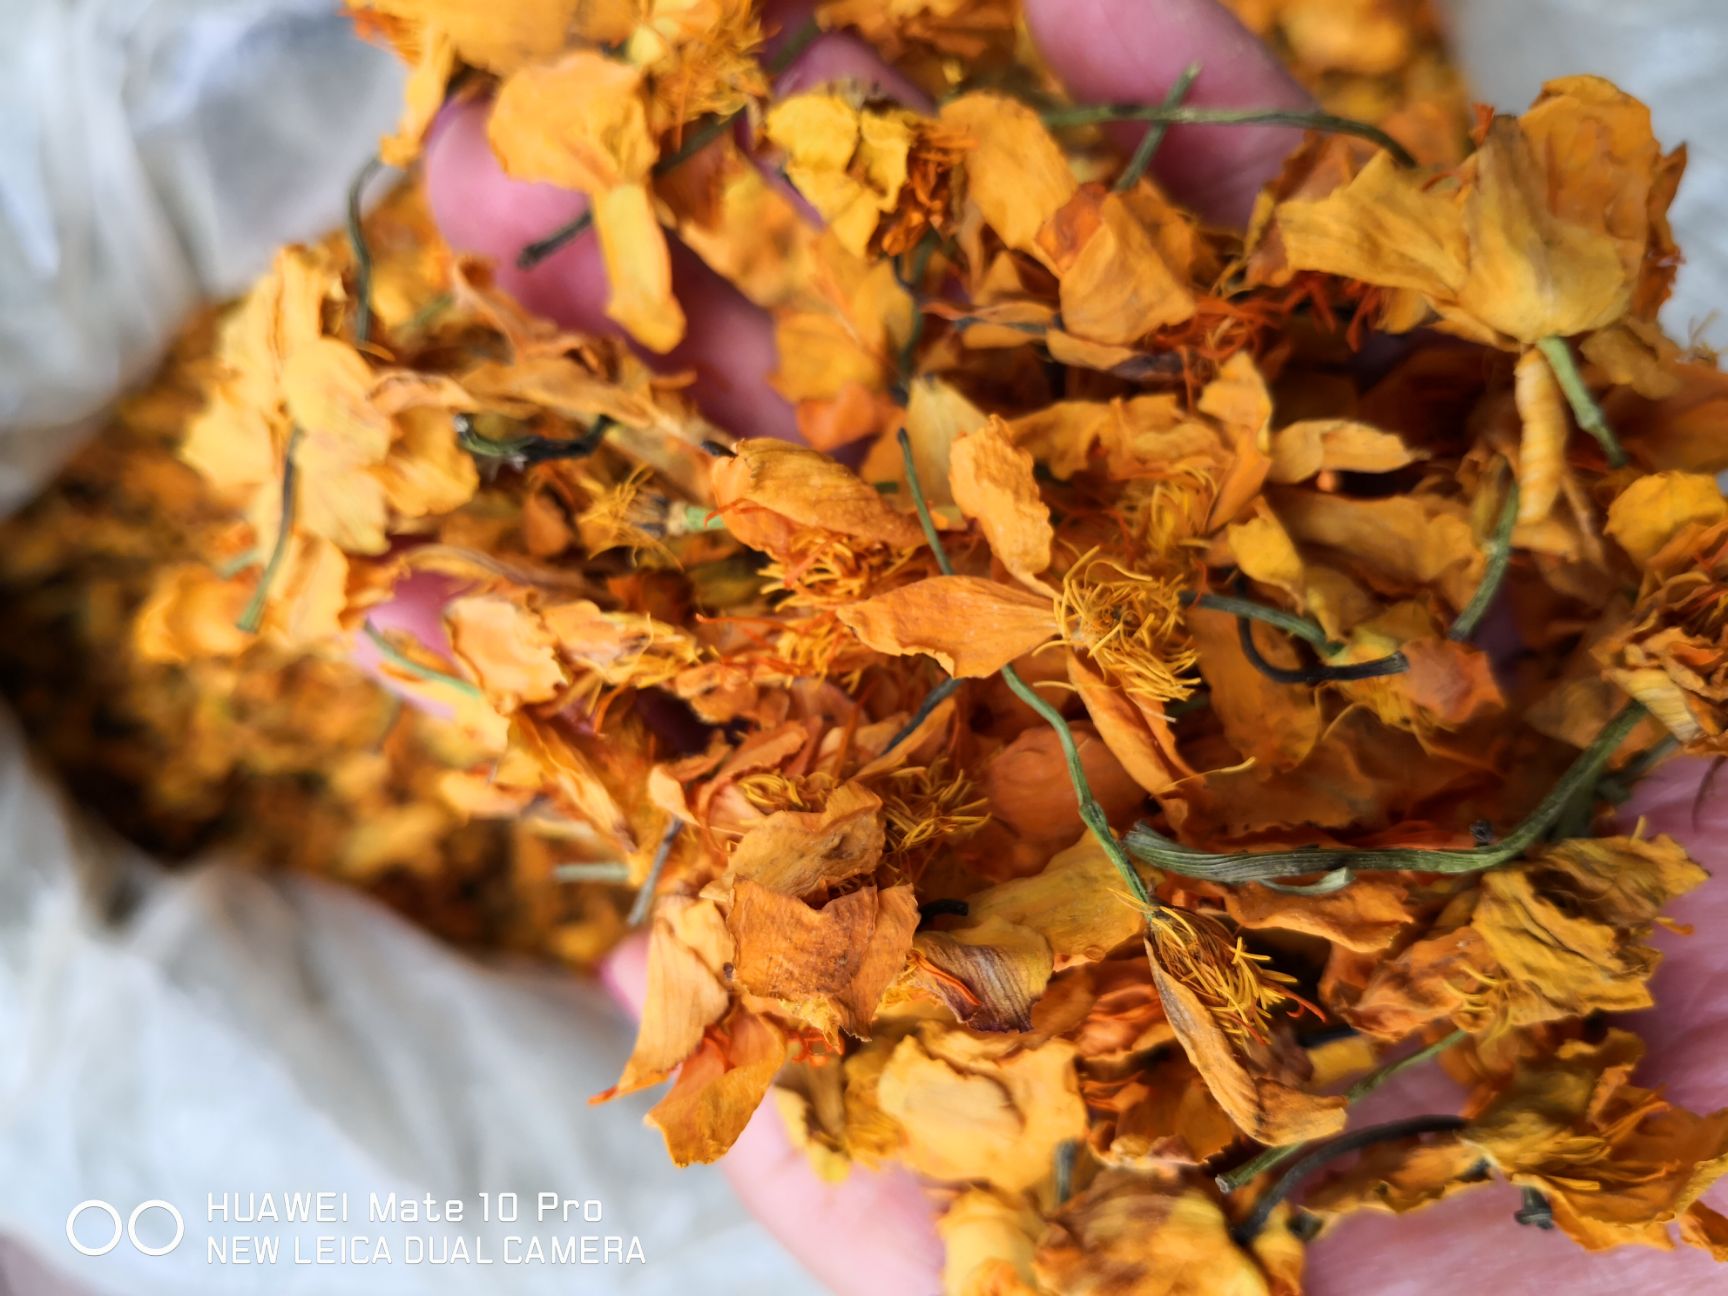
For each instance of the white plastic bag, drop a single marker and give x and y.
(1672, 54)
(153, 153)
(217, 1035)
(215, 1032)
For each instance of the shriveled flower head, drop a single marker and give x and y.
(934, 803)
(1238, 988)
(1673, 653)
(1130, 625)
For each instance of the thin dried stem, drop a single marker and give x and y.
(1273, 1157)
(1289, 622)
(1097, 114)
(644, 902)
(1394, 663)
(526, 450)
(362, 253)
(1091, 813)
(1154, 848)
(403, 662)
(253, 616)
(1493, 571)
(1156, 132)
(1584, 407)
(693, 143)
(933, 699)
(1331, 1150)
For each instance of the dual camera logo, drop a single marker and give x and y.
(128, 1230)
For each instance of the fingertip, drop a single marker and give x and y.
(480, 210)
(624, 974)
(1115, 51)
(842, 57)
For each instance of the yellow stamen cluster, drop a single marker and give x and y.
(931, 803)
(1237, 987)
(1130, 625)
(771, 790)
(622, 516)
(825, 570)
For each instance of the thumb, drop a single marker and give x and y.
(872, 1232)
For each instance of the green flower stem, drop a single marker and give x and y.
(1153, 848)
(1155, 133)
(1091, 813)
(1331, 1150)
(933, 699)
(1300, 626)
(1584, 407)
(429, 312)
(530, 449)
(403, 662)
(644, 902)
(362, 253)
(916, 488)
(795, 44)
(1273, 1157)
(1097, 114)
(609, 871)
(1393, 663)
(253, 615)
(1493, 571)
(1246, 610)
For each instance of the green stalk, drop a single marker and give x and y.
(1156, 132)
(1493, 571)
(1097, 114)
(403, 662)
(1273, 1157)
(1584, 407)
(253, 616)
(933, 699)
(644, 902)
(362, 253)
(1091, 813)
(1246, 610)
(1152, 847)
(1300, 626)
(796, 44)
(527, 450)
(694, 143)
(609, 871)
(1331, 1150)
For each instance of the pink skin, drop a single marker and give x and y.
(874, 1232)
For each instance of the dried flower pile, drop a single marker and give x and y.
(1183, 678)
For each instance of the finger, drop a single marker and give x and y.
(1131, 51)
(1687, 1036)
(729, 343)
(872, 1232)
(840, 56)
(1472, 1243)
(1687, 1031)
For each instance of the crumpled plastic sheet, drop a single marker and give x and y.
(153, 153)
(1672, 54)
(174, 1036)
(218, 1032)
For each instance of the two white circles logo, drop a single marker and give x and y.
(129, 1229)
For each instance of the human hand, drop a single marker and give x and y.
(874, 1232)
